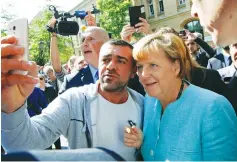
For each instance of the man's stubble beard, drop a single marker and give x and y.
(117, 87)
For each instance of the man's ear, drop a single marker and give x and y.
(176, 67)
(134, 70)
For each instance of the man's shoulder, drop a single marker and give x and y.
(212, 74)
(204, 71)
(137, 97)
(88, 91)
(217, 58)
(78, 74)
(199, 75)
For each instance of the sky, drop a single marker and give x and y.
(29, 8)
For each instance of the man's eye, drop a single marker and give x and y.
(105, 60)
(90, 38)
(121, 62)
(153, 65)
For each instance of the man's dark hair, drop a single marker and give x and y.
(118, 42)
(227, 48)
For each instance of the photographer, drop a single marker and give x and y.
(92, 39)
(54, 52)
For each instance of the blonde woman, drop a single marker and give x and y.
(181, 121)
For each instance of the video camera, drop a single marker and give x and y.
(65, 27)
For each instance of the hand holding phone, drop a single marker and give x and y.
(131, 123)
(19, 28)
(129, 134)
(182, 32)
(135, 12)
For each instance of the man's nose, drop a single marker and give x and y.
(111, 65)
(84, 43)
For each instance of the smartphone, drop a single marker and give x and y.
(19, 28)
(135, 12)
(182, 32)
(131, 123)
(110, 35)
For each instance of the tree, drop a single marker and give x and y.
(5, 17)
(39, 35)
(113, 15)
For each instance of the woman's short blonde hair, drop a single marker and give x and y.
(173, 47)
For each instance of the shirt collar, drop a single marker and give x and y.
(93, 71)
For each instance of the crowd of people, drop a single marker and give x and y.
(168, 96)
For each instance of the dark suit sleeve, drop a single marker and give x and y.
(219, 84)
(204, 45)
(231, 92)
(42, 101)
(216, 83)
(50, 93)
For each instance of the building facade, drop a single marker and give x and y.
(172, 13)
(159, 13)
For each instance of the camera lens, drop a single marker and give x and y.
(14, 27)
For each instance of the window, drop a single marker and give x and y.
(151, 8)
(181, 2)
(161, 6)
(194, 26)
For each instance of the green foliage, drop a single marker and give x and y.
(5, 17)
(113, 15)
(38, 33)
(3, 32)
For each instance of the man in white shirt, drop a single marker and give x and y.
(89, 116)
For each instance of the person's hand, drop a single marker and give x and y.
(90, 19)
(127, 32)
(52, 22)
(143, 26)
(191, 36)
(15, 87)
(188, 36)
(133, 137)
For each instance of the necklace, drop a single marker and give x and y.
(180, 90)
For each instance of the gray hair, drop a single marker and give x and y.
(104, 35)
(47, 68)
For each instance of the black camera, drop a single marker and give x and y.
(65, 27)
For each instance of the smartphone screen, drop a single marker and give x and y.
(135, 12)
